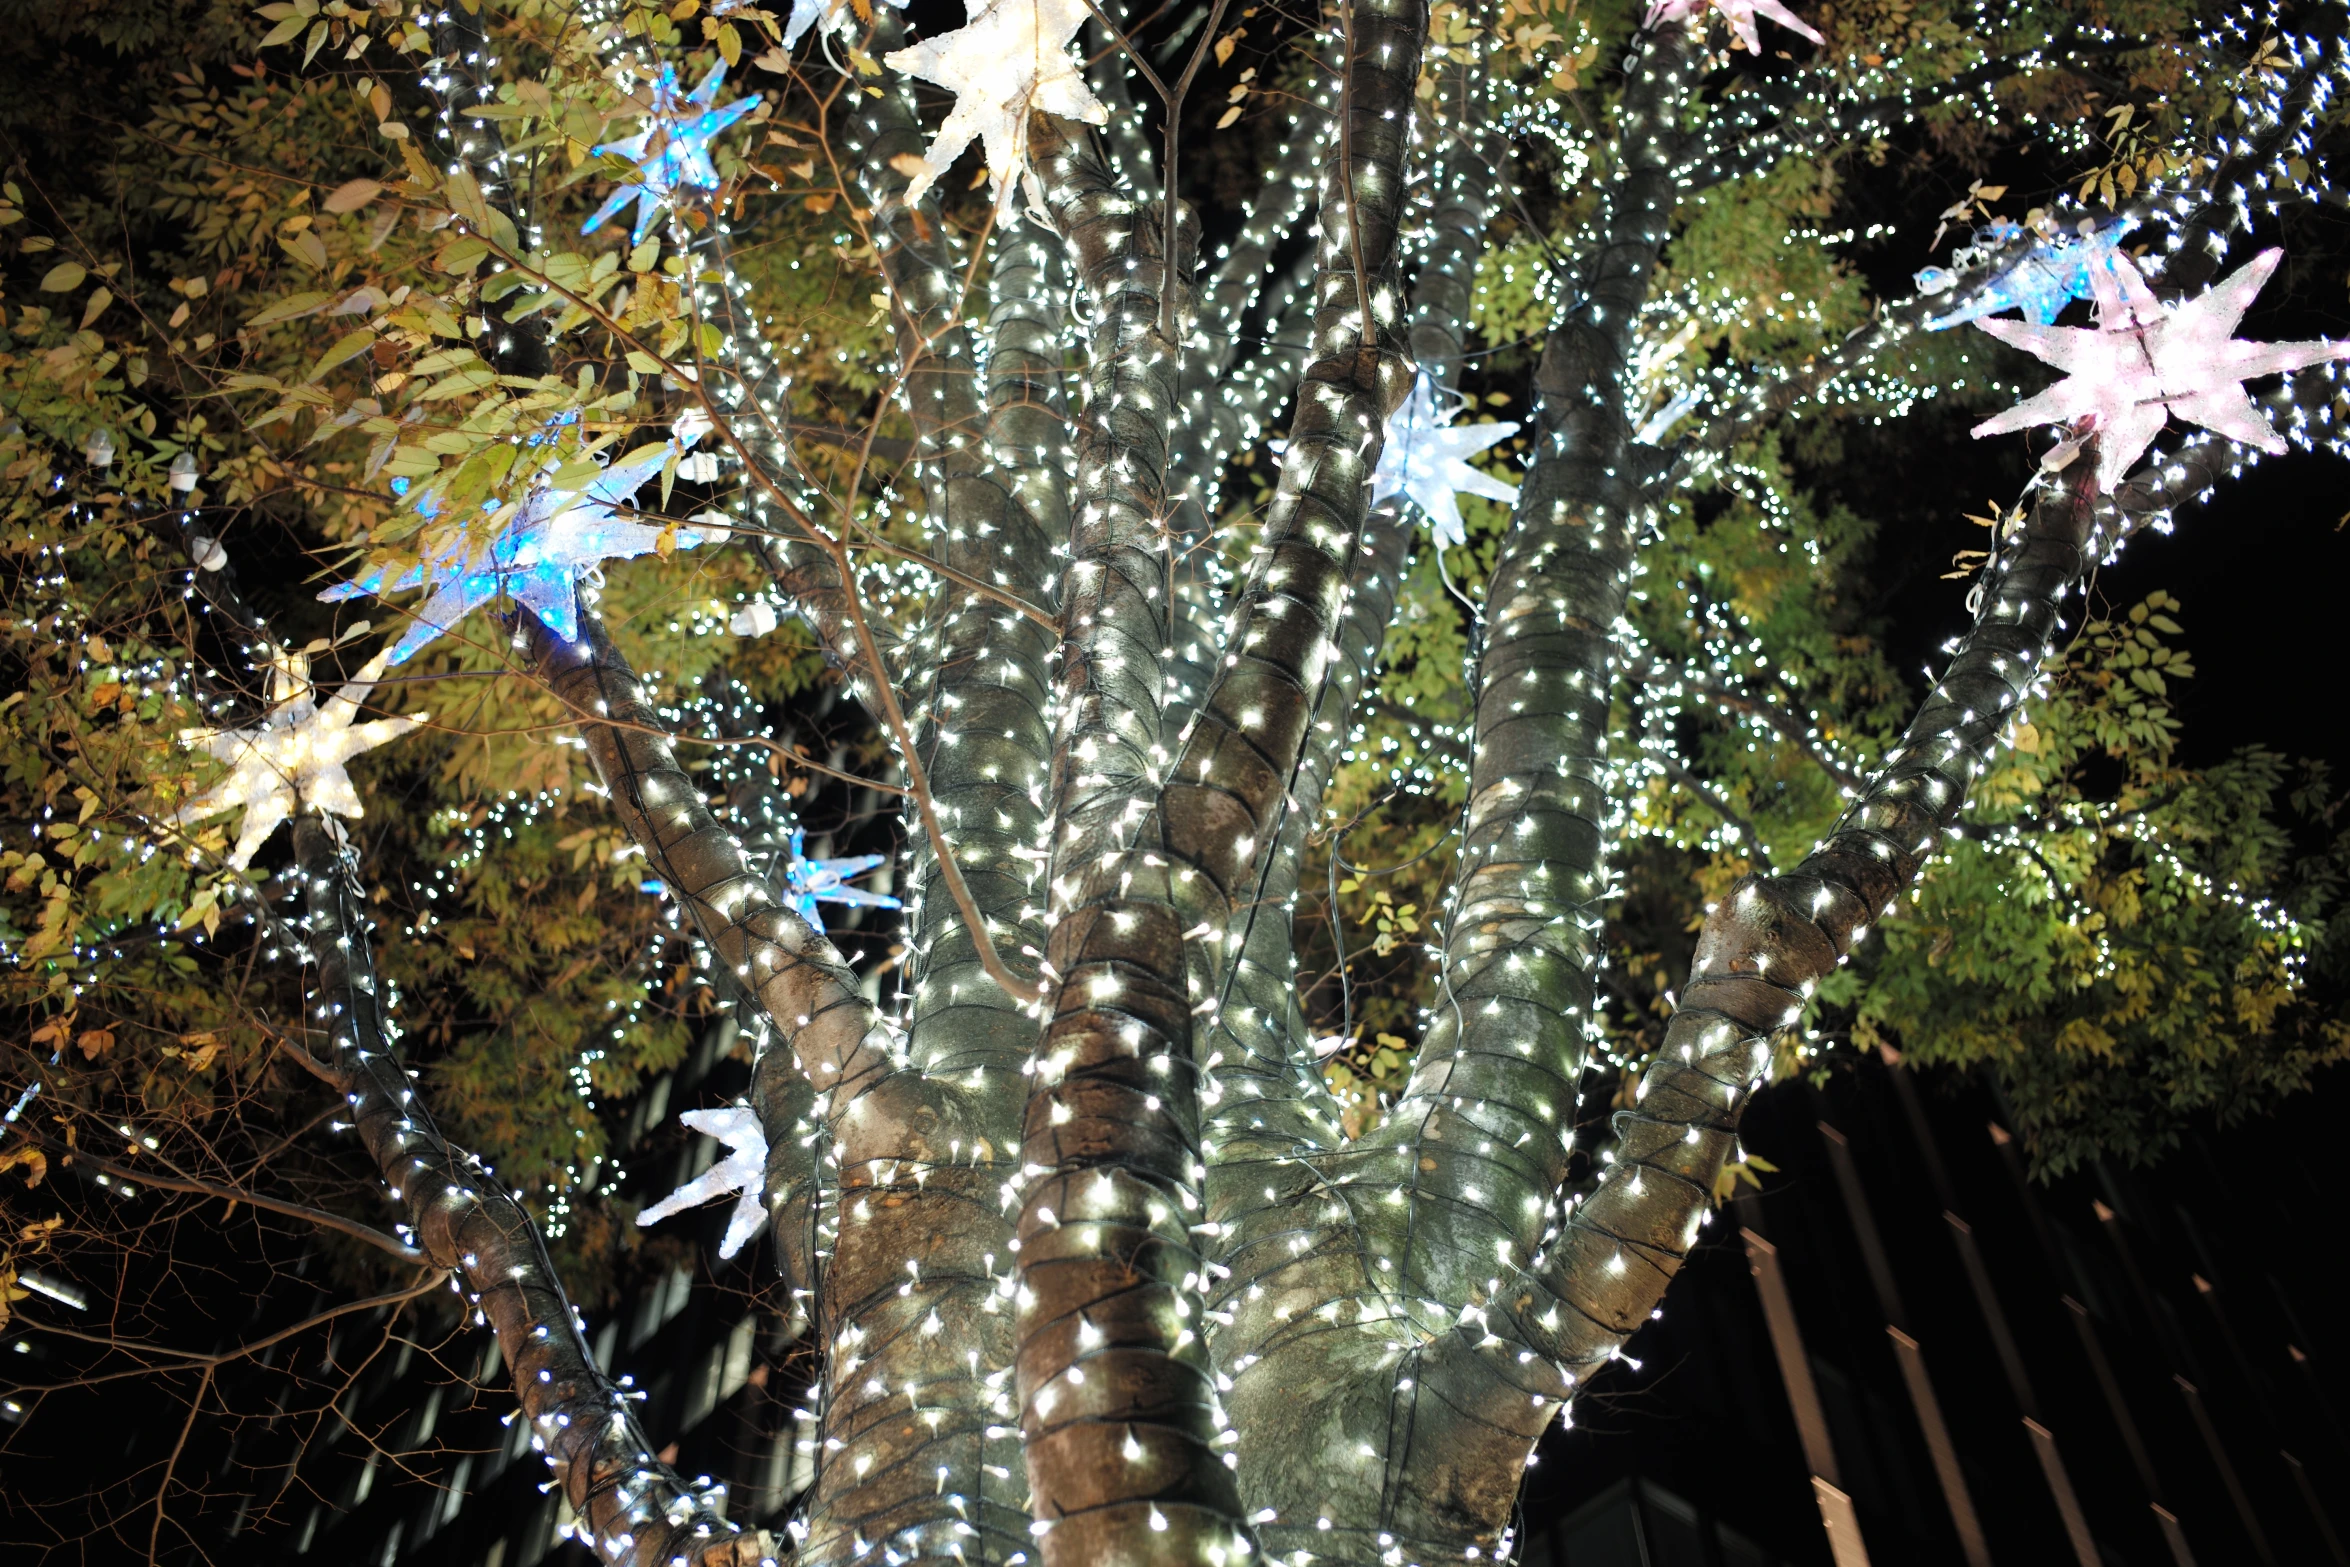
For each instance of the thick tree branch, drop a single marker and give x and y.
(1766, 947)
(1483, 1125)
(637, 1512)
(826, 1042)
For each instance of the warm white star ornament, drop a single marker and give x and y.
(1427, 462)
(743, 1170)
(1010, 60)
(2127, 376)
(297, 755)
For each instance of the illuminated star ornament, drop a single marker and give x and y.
(1740, 14)
(554, 534)
(808, 882)
(1010, 61)
(743, 1170)
(2146, 363)
(673, 149)
(834, 14)
(295, 757)
(1427, 462)
(2051, 275)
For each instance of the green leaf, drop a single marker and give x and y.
(349, 346)
(442, 360)
(471, 379)
(291, 308)
(465, 197)
(462, 255)
(63, 277)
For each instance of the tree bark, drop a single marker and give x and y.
(635, 1511)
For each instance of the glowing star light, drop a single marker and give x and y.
(2051, 275)
(834, 14)
(673, 149)
(554, 534)
(808, 882)
(2145, 364)
(1010, 61)
(1740, 14)
(1427, 462)
(743, 1170)
(296, 756)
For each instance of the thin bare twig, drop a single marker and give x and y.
(180, 1183)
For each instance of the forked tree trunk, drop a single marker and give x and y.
(1095, 1276)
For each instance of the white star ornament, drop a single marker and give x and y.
(295, 757)
(743, 1170)
(1012, 59)
(1740, 14)
(2127, 377)
(1426, 462)
(834, 14)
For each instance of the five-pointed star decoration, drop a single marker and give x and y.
(2051, 275)
(1425, 461)
(2145, 363)
(807, 882)
(673, 149)
(1740, 14)
(554, 533)
(295, 757)
(743, 1170)
(1011, 60)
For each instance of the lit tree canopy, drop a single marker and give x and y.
(1158, 585)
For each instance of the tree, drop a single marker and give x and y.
(1119, 1239)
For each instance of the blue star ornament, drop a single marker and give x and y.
(2052, 274)
(673, 149)
(1427, 462)
(553, 535)
(808, 882)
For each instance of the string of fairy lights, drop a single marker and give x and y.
(1245, 345)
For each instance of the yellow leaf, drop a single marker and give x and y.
(34, 1163)
(1228, 116)
(63, 277)
(97, 305)
(351, 195)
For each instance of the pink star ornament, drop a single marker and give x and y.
(2128, 376)
(1740, 14)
